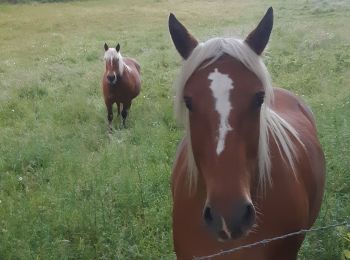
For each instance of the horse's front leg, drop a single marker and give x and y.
(125, 111)
(109, 106)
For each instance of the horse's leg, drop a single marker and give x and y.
(126, 107)
(109, 115)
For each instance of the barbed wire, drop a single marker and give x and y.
(269, 240)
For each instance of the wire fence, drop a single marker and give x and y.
(269, 240)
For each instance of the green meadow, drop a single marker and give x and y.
(68, 190)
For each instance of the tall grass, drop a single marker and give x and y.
(68, 190)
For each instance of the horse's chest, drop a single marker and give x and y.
(119, 94)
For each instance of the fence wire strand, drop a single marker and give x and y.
(269, 240)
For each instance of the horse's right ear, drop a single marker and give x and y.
(117, 48)
(183, 40)
(258, 39)
(106, 47)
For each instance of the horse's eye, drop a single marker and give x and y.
(188, 102)
(259, 99)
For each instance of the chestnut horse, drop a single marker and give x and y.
(250, 166)
(121, 82)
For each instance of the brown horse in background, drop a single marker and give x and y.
(121, 82)
(250, 166)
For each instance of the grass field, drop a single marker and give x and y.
(68, 191)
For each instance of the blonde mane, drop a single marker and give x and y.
(112, 54)
(270, 121)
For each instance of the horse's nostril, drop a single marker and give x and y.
(207, 215)
(249, 214)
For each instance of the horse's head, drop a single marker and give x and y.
(114, 64)
(223, 96)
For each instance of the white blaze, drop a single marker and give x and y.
(221, 86)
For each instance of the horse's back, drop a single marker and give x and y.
(136, 64)
(133, 63)
(287, 102)
(134, 77)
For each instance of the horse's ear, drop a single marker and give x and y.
(118, 47)
(183, 40)
(106, 47)
(258, 39)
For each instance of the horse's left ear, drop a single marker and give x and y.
(106, 47)
(258, 39)
(118, 47)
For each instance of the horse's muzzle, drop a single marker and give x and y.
(237, 225)
(113, 79)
